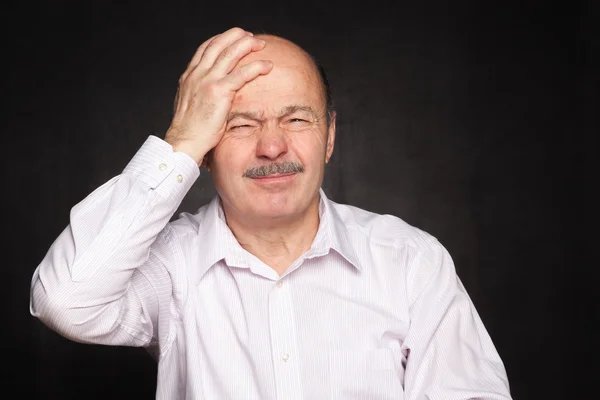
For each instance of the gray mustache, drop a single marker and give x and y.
(287, 167)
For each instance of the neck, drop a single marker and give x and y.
(278, 242)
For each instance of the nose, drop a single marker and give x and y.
(272, 143)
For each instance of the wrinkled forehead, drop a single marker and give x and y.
(283, 82)
(294, 79)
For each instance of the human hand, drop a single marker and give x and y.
(207, 89)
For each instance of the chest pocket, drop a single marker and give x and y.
(375, 374)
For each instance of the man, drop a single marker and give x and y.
(271, 291)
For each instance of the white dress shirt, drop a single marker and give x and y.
(373, 310)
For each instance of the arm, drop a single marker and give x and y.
(449, 353)
(98, 281)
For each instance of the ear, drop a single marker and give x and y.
(330, 137)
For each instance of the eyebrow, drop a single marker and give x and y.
(245, 114)
(257, 116)
(295, 108)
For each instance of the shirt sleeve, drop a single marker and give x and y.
(103, 280)
(449, 353)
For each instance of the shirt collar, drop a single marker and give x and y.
(218, 242)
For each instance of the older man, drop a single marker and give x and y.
(271, 291)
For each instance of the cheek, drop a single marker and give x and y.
(310, 148)
(232, 153)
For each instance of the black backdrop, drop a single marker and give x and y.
(471, 120)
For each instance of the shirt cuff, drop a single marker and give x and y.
(169, 173)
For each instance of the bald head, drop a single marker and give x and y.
(285, 53)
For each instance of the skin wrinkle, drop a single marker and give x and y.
(320, 72)
(316, 76)
(286, 111)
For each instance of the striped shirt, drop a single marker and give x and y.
(373, 310)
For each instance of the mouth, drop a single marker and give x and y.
(274, 178)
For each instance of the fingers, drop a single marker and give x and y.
(230, 56)
(217, 45)
(242, 75)
(221, 41)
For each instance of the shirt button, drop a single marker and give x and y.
(162, 166)
(286, 357)
(279, 284)
(179, 178)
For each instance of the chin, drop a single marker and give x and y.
(273, 210)
(279, 204)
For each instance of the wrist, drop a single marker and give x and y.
(187, 146)
(189, 150)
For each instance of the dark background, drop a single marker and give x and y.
(474, 121)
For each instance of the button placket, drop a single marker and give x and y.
(283, 342)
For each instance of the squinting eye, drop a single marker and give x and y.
(238, 126)
(298, 120)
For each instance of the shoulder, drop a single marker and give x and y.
(396, 245)
(383, 229)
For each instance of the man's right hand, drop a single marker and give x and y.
(207, 89)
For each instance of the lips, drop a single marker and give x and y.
(274, 178)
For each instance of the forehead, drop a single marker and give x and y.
(294, 79)
(283, 86)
